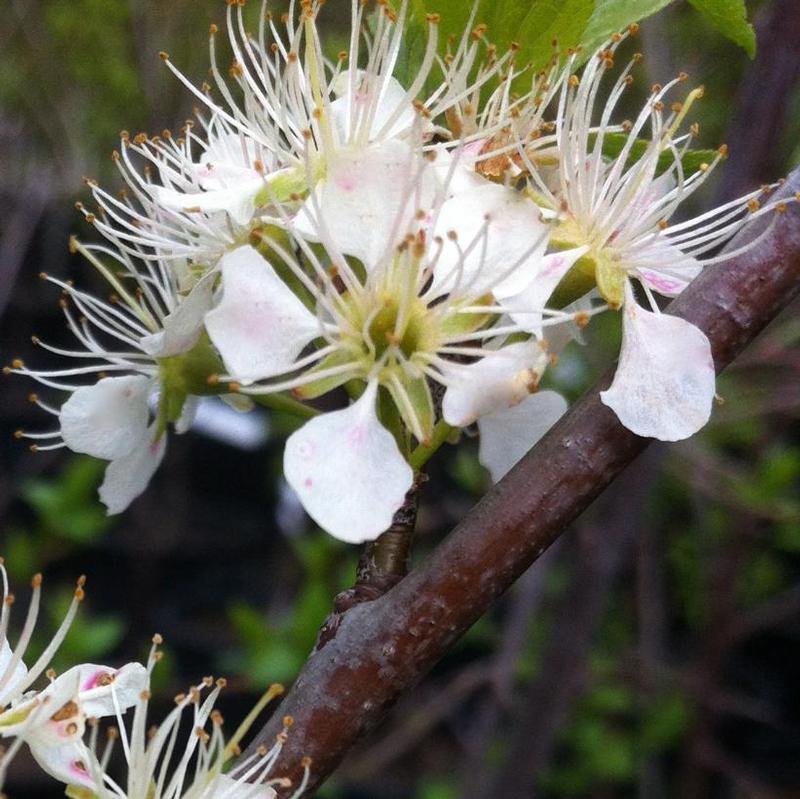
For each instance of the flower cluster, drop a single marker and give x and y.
(423, 250)
(61, 726)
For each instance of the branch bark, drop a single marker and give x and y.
(382, 648)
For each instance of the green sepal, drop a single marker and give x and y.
(184, 375)
(79, 792)
(390, 418)
(462, 323)
(283, 187)
(13, 716)
(578, 281)
(419, 395)
(190, 371)
(322, 386)
(610, 278)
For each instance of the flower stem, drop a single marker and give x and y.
(424, 452)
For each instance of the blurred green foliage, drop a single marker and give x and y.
(274, 650)
(91, 636)
(66, 508)
(66, 518)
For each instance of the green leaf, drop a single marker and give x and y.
(536, 25)
(729, 17)
(612, 16)
(532, 24)
(692, 160)
(666, 719)
(437, 790)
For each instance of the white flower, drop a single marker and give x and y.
(176, 759)
(228, 176)
(613, 227)
(149, 338)
(302, 126)
(516, 237)
(259, 325)
(665, 380)
(388, 330)
(366, 202)
(500, 380)
(15, 676)
(52, 722)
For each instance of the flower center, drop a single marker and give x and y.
(388, 328)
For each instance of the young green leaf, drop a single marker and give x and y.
(536, 25)
(612, 16)
(532, 24)
(692, 159)
(730, 18)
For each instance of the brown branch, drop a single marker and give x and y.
(382, 648)
(381, 566)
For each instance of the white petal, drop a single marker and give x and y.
(500, 379)
(106, 420)
(349, 112)
(103, 690)
(367, 200)
(559, 336)
(16, 680)
(525, 307)
(666, 269)
(239, 200)
(228, 159)
(664, 384)
(507, 435)
(38, 727)
(182, 327)
(259, 326)
(66, 763)
(502, 254)
(460, 176)
(127, 477)
(347, 471)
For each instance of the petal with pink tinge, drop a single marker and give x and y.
(492, 240)
(367, 200)
(347, 471)
(107, 420)
(525, 307)
(259, 326)
(665, 382)
(499, 380)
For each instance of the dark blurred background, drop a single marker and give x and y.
(653, 652)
